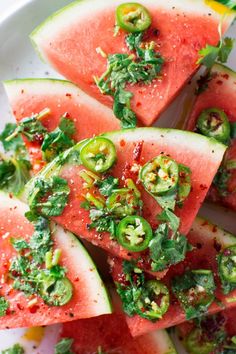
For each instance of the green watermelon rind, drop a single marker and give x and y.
(217, 67)
(104, 306)
(187, 5)
(204, 227)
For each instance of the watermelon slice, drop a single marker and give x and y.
(89, 293)
(69, 41)
(111, 334)
(220, 93)
(31, 96)
(208, 240)
(200, 154)
(216, 330)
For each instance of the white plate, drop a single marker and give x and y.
(18, 60)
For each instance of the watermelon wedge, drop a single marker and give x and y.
(208, 241)
(89, 293)
(214, 334)
(111, 334)
(70, 40)
(31, 96)
(134, 148)
(220, 92)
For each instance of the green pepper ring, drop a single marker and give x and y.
(229, 275)
(196, 346)
(117, 197)
(122, 235)
(164, 184)
(133, 17)
(221, 128)
(98, 146)
(61, 293)
(155, 288)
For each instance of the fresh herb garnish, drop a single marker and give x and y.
(107, 185)
(59, 139)
(64, 346)
(49, 196)
(141, 67)
(147, 298)
(15, 145)
(195, 291)
(102, 221)
(4, 305)
(16, 349)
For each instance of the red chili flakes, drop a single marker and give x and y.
(219, 82)
(33, 309)
(122, 143)
(138, 151)
(217, 246)
(138, 104)
(19, 306)
(76, 279)
(66, 115)
(203, 187)
(68, 94)
(214, 228)
(225, 76)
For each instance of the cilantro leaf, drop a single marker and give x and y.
(107, 185)
(210, 54)
(19, 244)
(64, 346)
(15, 145)
(16, 349)
(49, 196)
(173, 220)
(4, 305)
(165, 251)
(58, 140)
(40, 242)
(14, 174)
(102, 221)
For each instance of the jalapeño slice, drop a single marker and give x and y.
(134, 233)
(227, 264)
(160, 175)
(154, 300)
(123, 202)
(133, 17)
(56, 292)
(98, 155)
(214, 123)
(197, 343)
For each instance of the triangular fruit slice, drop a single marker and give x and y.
(216, 103)
(80, 293)
(29, 97)
(89, 208)
(110, 334)
(213, 334)
(76, 40)
(213, 251)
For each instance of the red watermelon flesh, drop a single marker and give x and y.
(207, 239)
(202, 155)
(220, 93)
(69, 39)
(31, 96)
(89, 293)
(111, 333)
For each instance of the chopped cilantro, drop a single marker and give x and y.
(15, 145)
(122, 69)
(221, 52)
(64, 346)
(49, 196)
(58, 140)
(40, 242)
(107, 185)
(102, 221)
(166, 251)
(4, 304)
(195, 291)
(19, 244)
(16, 349)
